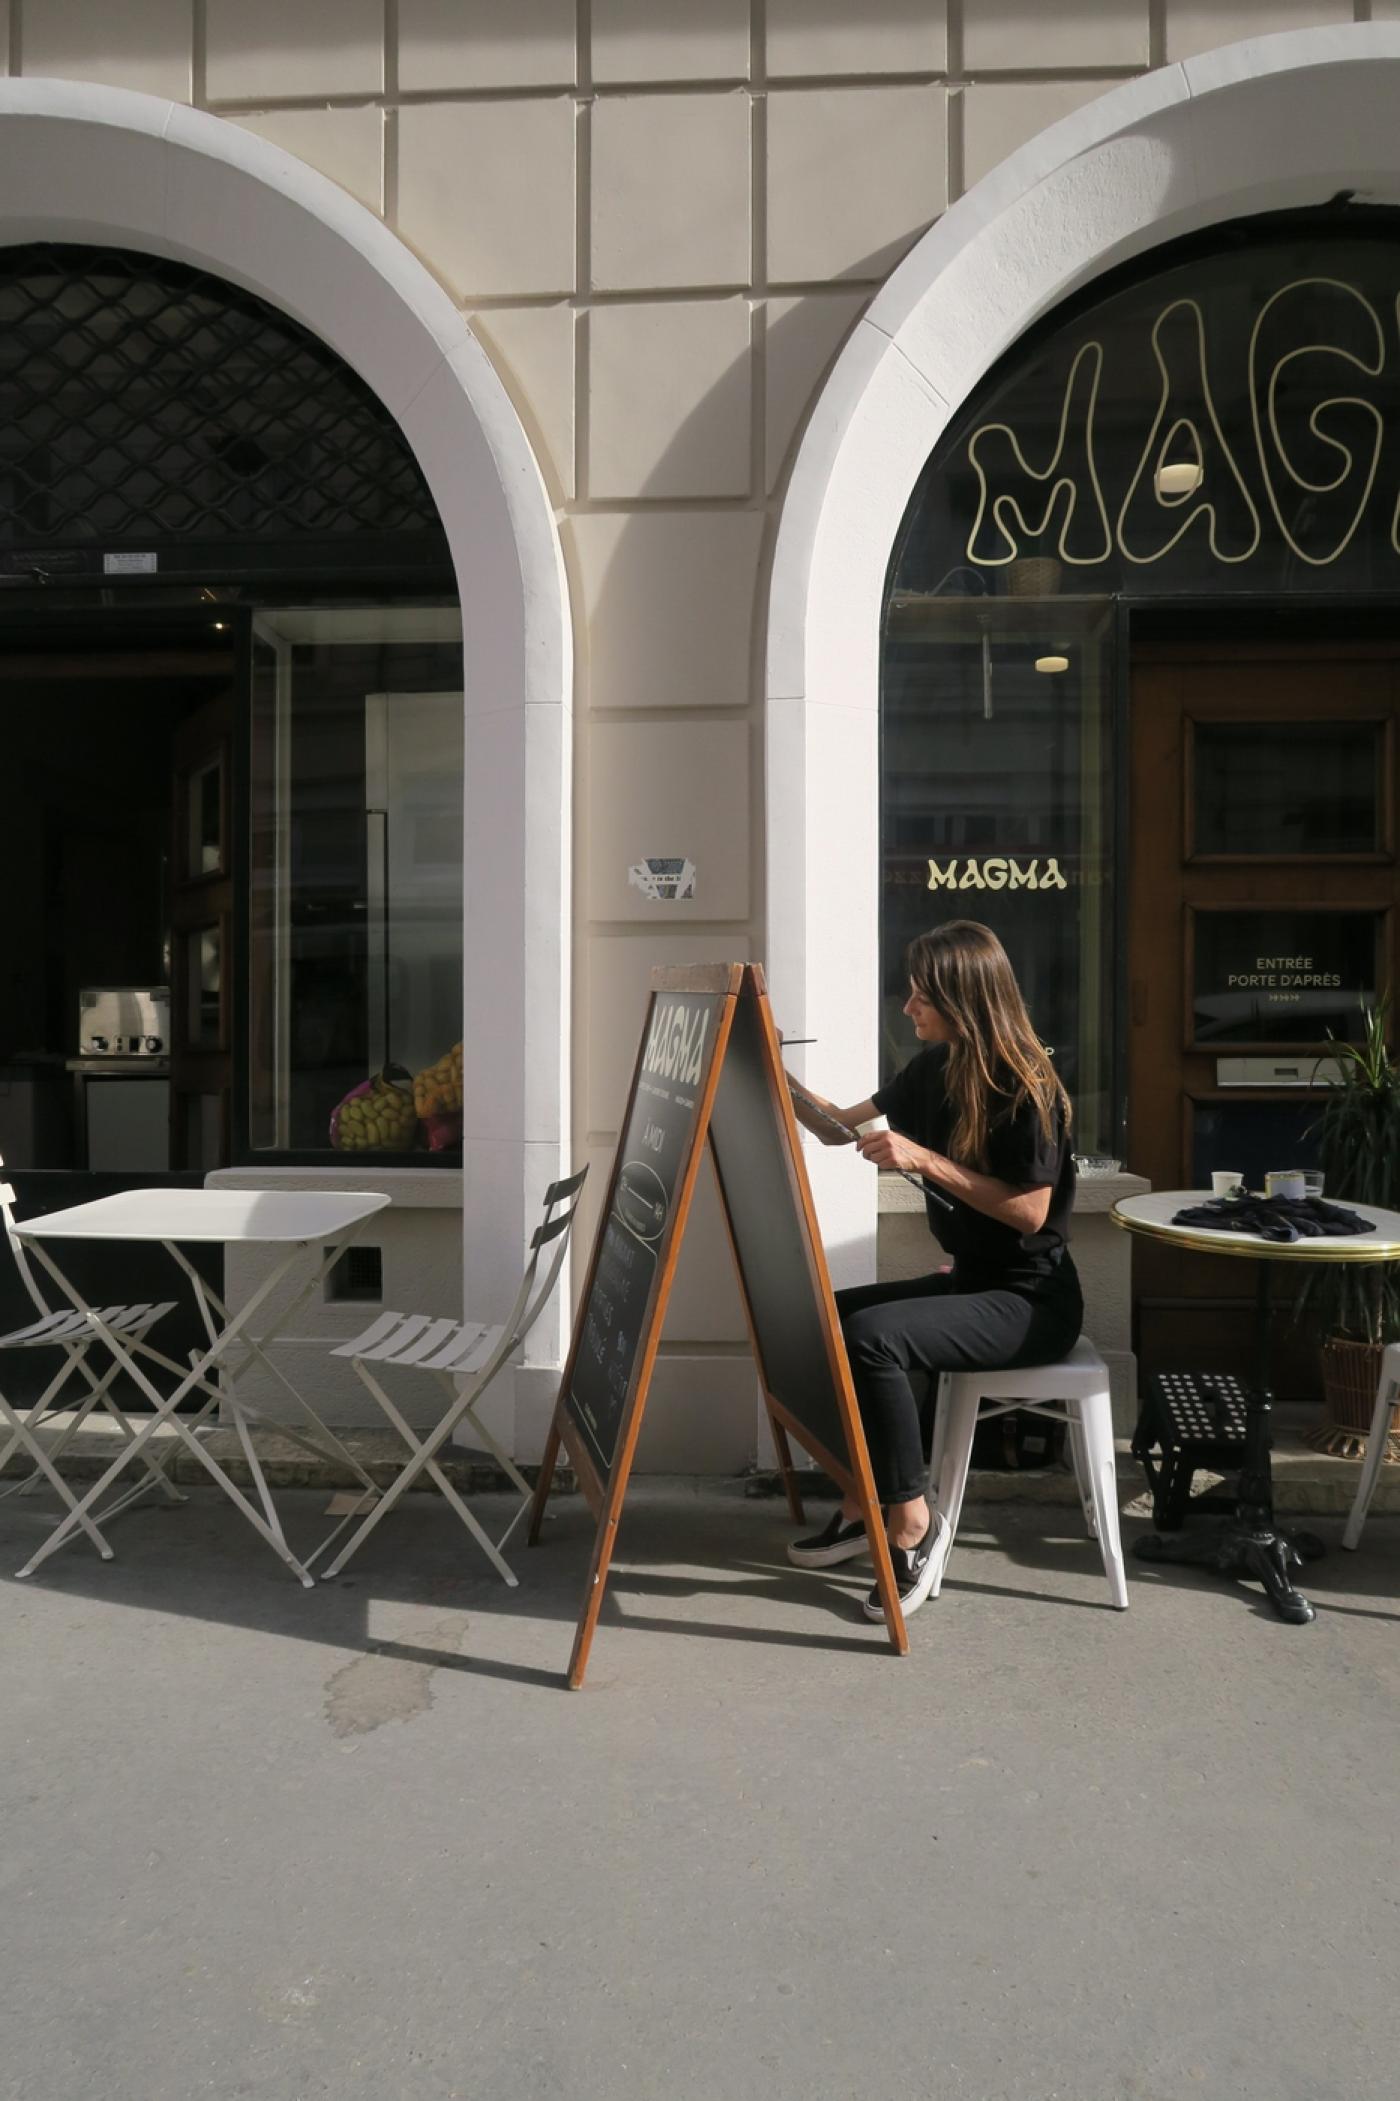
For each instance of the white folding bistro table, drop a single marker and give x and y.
(304, 1229)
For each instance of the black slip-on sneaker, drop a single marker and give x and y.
(843, 1539)
(914, 1571)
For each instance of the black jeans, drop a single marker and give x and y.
(929, 1325)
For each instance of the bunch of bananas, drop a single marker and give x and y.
(437, 1090)
(381, 1118)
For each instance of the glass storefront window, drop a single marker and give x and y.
(152, 411)
(355, 877)
(997, 780)
(1206, 424)
(1287, 788)
(204, 843)
(204, 975)
(1295, 976)
(1213, 422)
(1252, 1137)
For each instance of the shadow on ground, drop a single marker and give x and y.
(199, 1560)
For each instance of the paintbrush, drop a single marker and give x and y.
(926, 1189)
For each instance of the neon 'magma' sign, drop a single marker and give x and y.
(1303, 464)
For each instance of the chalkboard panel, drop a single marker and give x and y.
(772, 1236)
(708, 1065)
(677, 1050)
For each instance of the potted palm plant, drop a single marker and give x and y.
(1354, 1308)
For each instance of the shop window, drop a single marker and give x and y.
(1214, 421)
(204, 820)
(996, 771)
(1282, 977)
(285, 811)
(204, 977)
(1208, 424)
(1286, 789)
(157, 420)
(1251, 1136)
(355, 883)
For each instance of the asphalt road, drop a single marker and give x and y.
(358, 1843)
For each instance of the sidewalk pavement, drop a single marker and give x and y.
(356, 1843)
(1306, 1482)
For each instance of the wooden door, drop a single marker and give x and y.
(1262, 873)
(201, 939)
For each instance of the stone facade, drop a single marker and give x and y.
(663, 217)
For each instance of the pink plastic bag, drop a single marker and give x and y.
(443, 1130)
(376, 1116)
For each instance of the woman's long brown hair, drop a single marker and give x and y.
(995, 1059)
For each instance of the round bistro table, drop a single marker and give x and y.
(1250, 1543)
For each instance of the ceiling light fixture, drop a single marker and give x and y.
(1052, 663)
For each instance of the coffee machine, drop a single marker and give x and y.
(121, 1078)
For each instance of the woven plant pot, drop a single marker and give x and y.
(1350, 1371)
(1036, 576)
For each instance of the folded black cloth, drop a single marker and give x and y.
(1277, 1218)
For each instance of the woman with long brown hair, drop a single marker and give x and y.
(980, 1117)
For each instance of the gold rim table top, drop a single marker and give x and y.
(1152, 1217)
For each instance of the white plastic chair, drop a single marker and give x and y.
(463, 1357)
(1387, 1401)
(1075, 1392)
(68, 1332)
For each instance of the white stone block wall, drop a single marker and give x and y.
(664, 218)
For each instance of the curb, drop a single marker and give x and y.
(1306, 1483)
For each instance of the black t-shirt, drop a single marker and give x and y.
(916, 1103)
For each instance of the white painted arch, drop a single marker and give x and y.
(1262, 126)
(87, 163)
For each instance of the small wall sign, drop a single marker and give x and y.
(664, 878)
(1291, 976)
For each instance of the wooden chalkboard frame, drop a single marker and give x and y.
(605, 1493)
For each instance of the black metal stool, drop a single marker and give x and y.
(1190, 1419)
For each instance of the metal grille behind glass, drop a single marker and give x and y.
(146, 405)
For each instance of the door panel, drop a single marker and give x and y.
(1287, 789)
(1262, 883)
(201, 938)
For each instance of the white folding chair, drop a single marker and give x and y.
(68, 1332)
(464, 1357)
(1377, 1443)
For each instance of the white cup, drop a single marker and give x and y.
(872, 1123)
(1225, 1181)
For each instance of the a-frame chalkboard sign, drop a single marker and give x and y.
(709, 1068)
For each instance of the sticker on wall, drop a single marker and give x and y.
(663, 877)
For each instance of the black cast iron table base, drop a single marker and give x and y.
(1238, 1549)
(1249, 1543)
